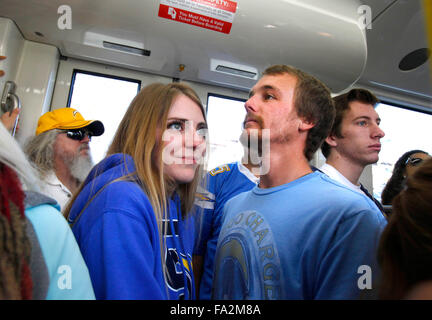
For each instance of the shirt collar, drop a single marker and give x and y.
(52, 179)
(333, 173)
(247, 173)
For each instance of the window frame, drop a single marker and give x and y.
(97, 74)
(396, 104)
(222, 96)
(405, 106)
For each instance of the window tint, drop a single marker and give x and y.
(404, 130)
(104, 98)
(225, 118)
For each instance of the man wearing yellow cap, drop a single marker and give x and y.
(60, 151)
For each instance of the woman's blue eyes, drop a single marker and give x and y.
(175, 126)
(179, 126)
(202, 132)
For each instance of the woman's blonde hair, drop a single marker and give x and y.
(138, 135)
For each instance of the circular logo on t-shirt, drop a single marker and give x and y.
(247, 263)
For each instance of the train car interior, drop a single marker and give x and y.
(95, 56)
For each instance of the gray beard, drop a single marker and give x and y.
(80, 167)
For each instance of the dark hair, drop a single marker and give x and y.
(312, 101)
(397, 180)
(341, 103)
(405, 249)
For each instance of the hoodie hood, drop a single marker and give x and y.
(109, 169)
(33, 199)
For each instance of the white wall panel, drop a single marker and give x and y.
(11, 45)
(35, 83)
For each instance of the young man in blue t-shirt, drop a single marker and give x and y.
(298, 234)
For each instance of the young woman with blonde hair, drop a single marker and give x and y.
(130, 216)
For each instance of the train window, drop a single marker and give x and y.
(225, 117)
(102, 97)
(404, 130)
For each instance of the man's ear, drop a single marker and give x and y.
(331, 141)
(306, 125)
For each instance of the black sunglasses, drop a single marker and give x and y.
(414, 161)
(78, 134)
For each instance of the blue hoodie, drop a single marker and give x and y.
(119, 240)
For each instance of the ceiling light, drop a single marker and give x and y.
(127, 49)
(233, 69)
(237, 72)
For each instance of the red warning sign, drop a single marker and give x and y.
(217, 15)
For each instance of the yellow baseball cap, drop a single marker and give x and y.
(68, 118)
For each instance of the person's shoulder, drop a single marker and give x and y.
(109, 169)
(113, 187)
(217, 177)
(239, 199)
(124, 187)
(33, 199)
(333, 187)
(123, 196)
(234, 174)
(344, 198)
(127, 199)
(222, 171)
(50, 226)
(45, 214)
